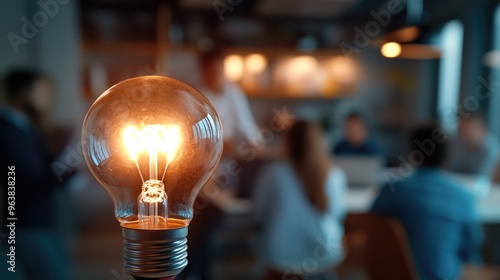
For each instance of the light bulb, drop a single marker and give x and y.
(152, 142)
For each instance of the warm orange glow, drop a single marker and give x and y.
(391, 49)
(233, 67)
(133, 142)
(404, 35)
(419, 51)
(342, 69)
(161, 223)
(152, 138)
(255, 63)
(299, 75)
(302, 65)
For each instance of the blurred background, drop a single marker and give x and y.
(397, 63)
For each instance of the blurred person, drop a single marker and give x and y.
(238, 125)
(475, 151)
(438, 213)
(356, 140)
(300, 205)
(39, 254)
(229, 101)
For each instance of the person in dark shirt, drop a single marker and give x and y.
(356, 139)
(438, 213)
(23, 149)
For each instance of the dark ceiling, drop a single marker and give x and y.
(284, 21)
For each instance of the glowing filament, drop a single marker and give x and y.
(155, 141)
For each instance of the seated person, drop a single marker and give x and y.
(300, 205)
(438, 213)
(475, 151)
(39, 254)
(356, 141)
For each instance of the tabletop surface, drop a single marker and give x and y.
(359, 200)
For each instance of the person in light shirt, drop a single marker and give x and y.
(300, 207)
(229, 101)
(238, 125)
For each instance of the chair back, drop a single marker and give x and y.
(379, 246)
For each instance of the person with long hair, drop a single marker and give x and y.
(300, 206)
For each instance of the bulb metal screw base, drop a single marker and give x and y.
(155, 254)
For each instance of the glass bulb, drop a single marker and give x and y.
(152, 142)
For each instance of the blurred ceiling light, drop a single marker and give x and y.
(342, 69)
(299, 75)
(492, 58)
(233, 67)
(391, 49)
(255, 63)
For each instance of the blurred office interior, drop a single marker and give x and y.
(397, 63)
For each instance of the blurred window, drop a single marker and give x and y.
(494, 83)
(450, 42)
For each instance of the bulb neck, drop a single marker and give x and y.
(155, 254)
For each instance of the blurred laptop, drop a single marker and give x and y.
(361, 171)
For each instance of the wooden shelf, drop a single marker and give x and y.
(303, 98)
(282, 51)
(119, 47)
